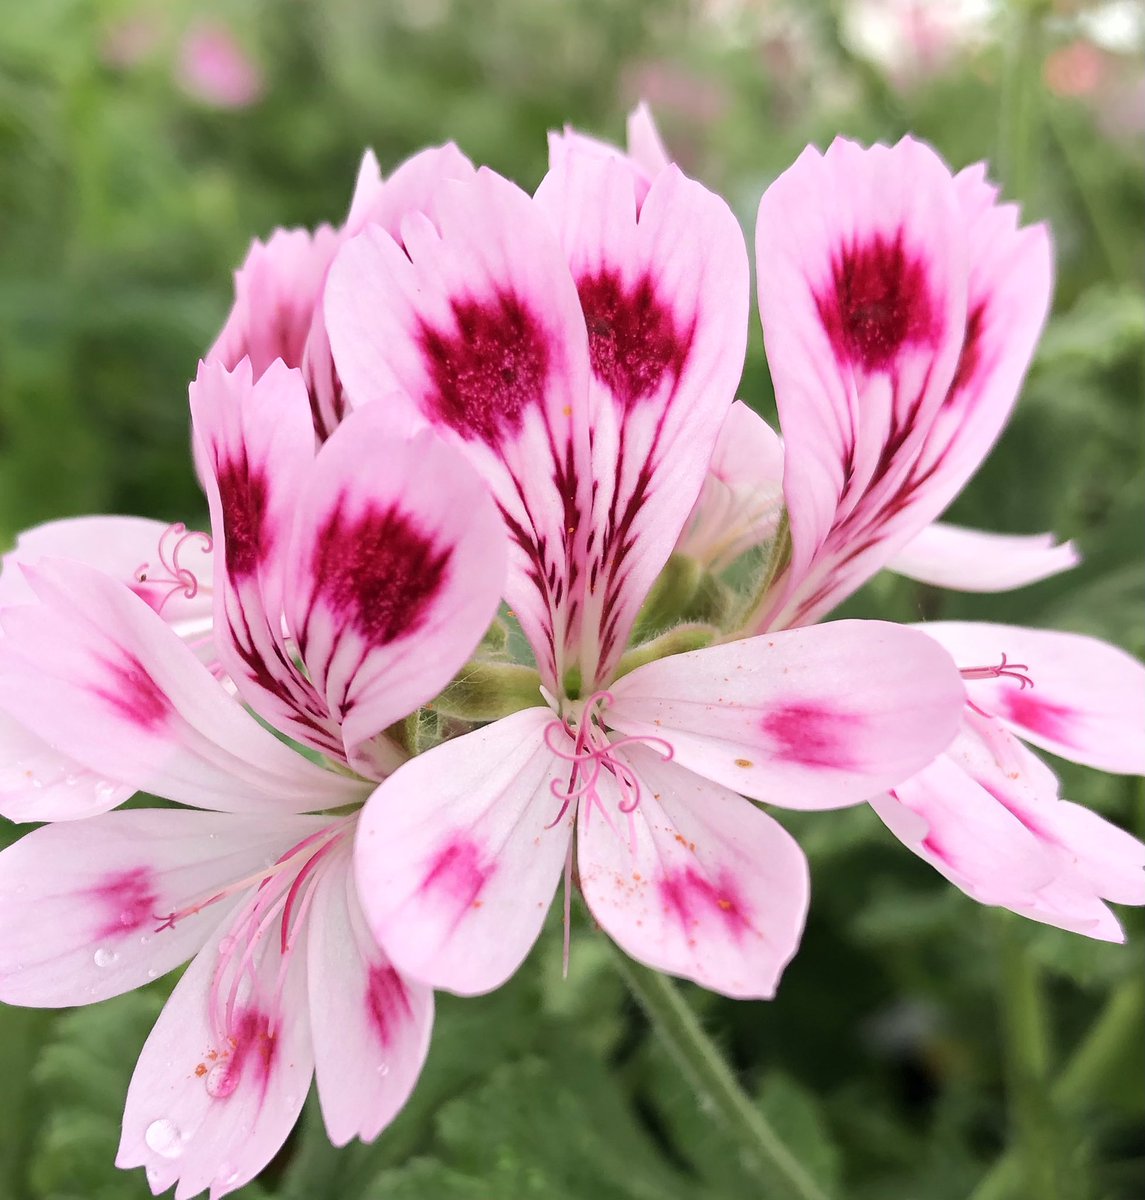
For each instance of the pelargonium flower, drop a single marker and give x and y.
(901, 306)
(349, 585)
(582, 348)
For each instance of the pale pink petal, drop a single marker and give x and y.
(37, 783)
(370, 1026)
(456, 860)
(971, 560)
(664, 290)
(1087, 702)
(475, 316)
(94, 671)
(209, 1108)
(645, 145)
(742, 498)
(409, 189)
(862, 290)
(396, 568)
(696, 881)
(258, 449)
(84, 906)
(810, 718)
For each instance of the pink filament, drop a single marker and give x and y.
(1005, 669)
(180, 578)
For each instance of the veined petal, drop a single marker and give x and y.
(475, 316)
(458, 856)
(1087, 702)
(664, 289)
(396, 568)
(257, 446)
(370, 1026)
(742, 497)
(209, 1108)
(971, 560)
(810, 718)
(695, 880)
(37, 783)
(84, 906)
(862, 291)
(94, 671)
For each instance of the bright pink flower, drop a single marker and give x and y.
(582, 348)
(376, 564)
(214, 68)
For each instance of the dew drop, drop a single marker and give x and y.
(226, 1176)
(105, 791)
(163, 1136)
(227, 944)
(383, 1069)
(221, 1081)
(105, 957)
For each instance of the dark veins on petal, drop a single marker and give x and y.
(878, 302)
(387, 1003)
(128, 900)
(633, 341)
(378, 572)
(489, 370)
(132, 692)
(244, 493)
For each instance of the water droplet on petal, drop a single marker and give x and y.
(383, 1069)
(105, 957)
(226, 1176)
(163, 1136)
(152, 973)
(227, 944)
(105, 791)
(221, 1081)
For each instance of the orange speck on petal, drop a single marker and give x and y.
(567, 411)
(744, 762)
(201, 1070)
(726, 905)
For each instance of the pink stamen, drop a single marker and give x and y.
(1005, 669)
(178, 578)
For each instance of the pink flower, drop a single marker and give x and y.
(582, 348)
(215, 69)
(376, 564)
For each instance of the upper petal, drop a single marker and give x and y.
(94, 671)
(696, 881)
(1087, 702)
(809, 718)
(458, 855)
(971, 560)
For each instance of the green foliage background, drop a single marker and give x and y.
(917, 1037)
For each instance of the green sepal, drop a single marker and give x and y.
(676, 641)
(486, 691)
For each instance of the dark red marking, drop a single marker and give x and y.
(490, 370)
(244, 494)
(971, 352)
(812, 735)
(134, 694)
(692, 896)
(129, 899)
(878, 303)
(378, 572)
(633, 342)
(387, 1003)
(458, 871)
(1052, 721)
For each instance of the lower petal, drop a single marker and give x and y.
(971, 560)
(696, 881)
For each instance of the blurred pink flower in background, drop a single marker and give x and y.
(212, 67)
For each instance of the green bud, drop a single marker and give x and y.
(485, 691)
(676, 641)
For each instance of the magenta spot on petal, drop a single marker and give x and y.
(693, 897)
(387, 1003)
(458, 871)
(812, 735)
(132, 692)
(878, 302)
(633, 342)
(244, 494)
(248, 1049)
(378, 572)
(128, 901)
(490, 370)
(1042, 717)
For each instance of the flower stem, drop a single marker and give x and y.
(709, 1074)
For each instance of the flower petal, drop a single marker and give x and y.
(83, 906)
(645, 145)
(809, 718)
(1087, 702)
(98, 675)
(456, 861)
(704, 885)
(369, 1025)
(970, 560)
(396, 568)
(210, 1109)
(664, 289)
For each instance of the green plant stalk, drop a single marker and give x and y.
(1081, 1081)
(1018, 121)
(709, 1074)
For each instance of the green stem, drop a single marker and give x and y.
(707, 1071)
(1021, 94)
(1083, 1079)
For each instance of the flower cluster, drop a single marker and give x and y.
(464, 626)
